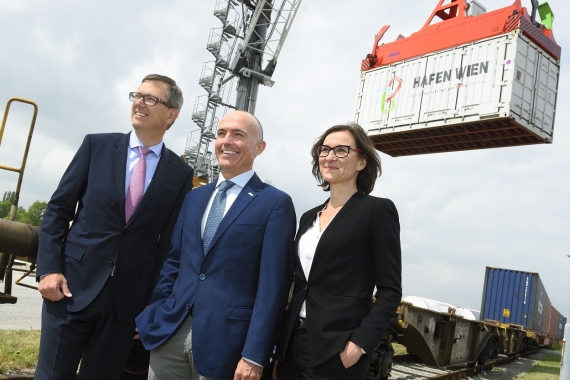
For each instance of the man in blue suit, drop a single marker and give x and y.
(221, 297)
(122, 193)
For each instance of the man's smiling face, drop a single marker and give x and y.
(151, 118)
(238, 142)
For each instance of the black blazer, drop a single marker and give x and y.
(99, 238)
(359, 249)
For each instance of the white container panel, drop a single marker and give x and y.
(481, 66)
(380, 86)
(440, 98)
(546, 94)
(524, 80)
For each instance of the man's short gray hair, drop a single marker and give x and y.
(174, 94)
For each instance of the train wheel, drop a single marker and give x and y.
(494, 348)
(484, 355)
(523, 346)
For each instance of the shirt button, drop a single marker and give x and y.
(202, 277)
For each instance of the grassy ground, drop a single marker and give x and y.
(18, 350)
(546, 369)
(399, 349)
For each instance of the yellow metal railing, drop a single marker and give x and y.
(21, 169)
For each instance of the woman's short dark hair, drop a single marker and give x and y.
(367, 176)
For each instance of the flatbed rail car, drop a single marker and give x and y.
(469, 79)
(444, 338)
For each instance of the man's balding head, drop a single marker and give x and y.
(238, 141)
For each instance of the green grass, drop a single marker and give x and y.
(18, 350)
(399, 349)
(557, 347)
(546, 369)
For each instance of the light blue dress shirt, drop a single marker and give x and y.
(133, 157)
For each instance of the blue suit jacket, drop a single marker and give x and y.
(237, 290)
(91, 193)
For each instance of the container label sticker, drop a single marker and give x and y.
(388, 94)
(506, 313)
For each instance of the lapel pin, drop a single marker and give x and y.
(250, 194)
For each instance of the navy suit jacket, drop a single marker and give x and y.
(237, 291)
(359, 250)
(91, 193)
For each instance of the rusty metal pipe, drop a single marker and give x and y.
(17, 239)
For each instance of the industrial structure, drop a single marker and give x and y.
(245, 49)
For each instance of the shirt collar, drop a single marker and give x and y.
(239, 180)
(134, 142)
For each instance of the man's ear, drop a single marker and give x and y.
(260, 147)
(173, 115)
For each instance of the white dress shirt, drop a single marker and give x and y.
(133, 157)
(307, 247)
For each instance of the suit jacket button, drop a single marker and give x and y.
(187, 307)
(202, 277)
(110, 261)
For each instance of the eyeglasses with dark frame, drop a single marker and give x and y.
(149, 100)
(340, 151)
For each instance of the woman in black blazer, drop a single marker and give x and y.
(345, 248)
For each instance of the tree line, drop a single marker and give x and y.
(33, 215)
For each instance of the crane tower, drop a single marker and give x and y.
(245, 49)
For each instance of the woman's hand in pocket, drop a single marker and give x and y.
(351, 354)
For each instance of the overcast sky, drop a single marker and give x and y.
(459, 212)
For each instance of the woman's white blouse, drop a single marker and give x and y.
(307, 247)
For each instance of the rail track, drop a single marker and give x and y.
(404, 367)
(407, 367)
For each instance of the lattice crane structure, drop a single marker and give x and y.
(245, 49)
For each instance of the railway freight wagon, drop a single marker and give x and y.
(519, 298)
(516, 316)
(469, 79)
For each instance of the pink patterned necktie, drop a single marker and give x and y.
(136, 186)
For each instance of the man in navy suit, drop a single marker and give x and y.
(122, 194)
(222, 293)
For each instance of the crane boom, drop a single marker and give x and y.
(251, 38)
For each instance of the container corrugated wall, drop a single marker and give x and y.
(517, 297)
(508, 296)
(539, 312)
(561, 326)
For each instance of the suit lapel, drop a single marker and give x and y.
(329, 233)
(119, 170)
(250, 191)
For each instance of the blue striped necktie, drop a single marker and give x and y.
(216, 214)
